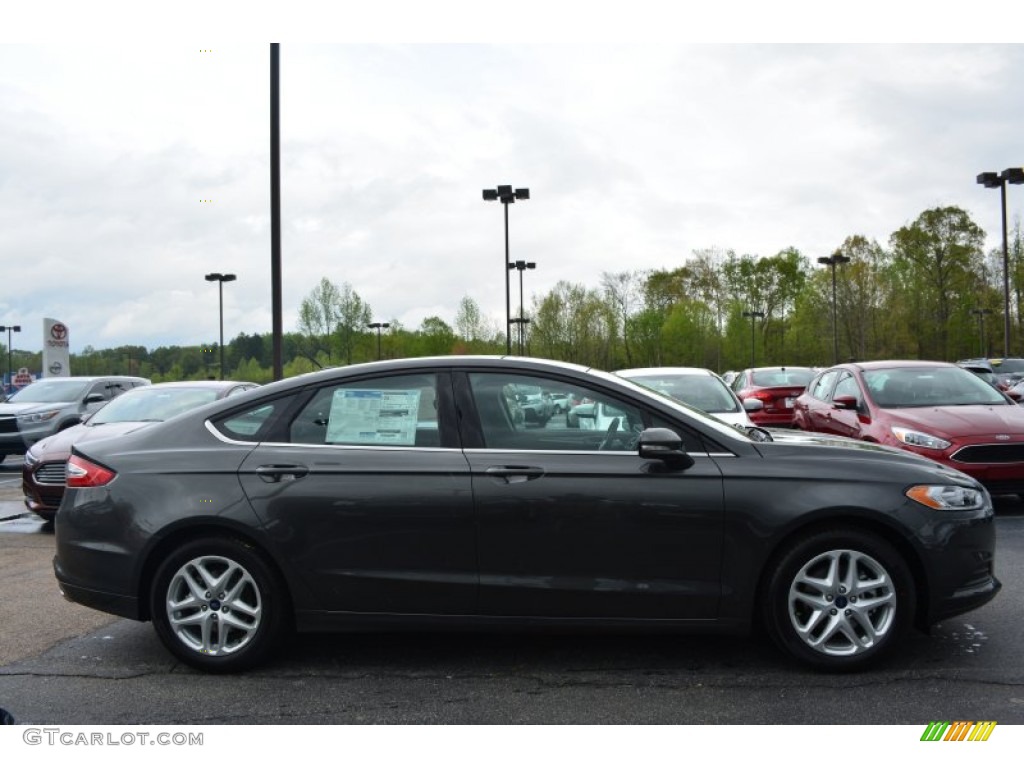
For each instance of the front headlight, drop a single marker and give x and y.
(948, 497)
(36, 417)
(920, 439)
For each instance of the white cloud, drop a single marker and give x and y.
(635, 155)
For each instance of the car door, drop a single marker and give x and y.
(368, 495)
(848, 422)
(816, 403)
(573, 523)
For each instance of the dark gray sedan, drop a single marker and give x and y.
(407, 493)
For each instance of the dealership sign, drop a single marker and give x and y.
(56, 348)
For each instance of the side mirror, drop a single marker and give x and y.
(846, 402)
(752, 404)
(661, 444)
(95, 397)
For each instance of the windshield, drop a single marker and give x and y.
(51, 391)
(152, 404)
(698, 391)
(1009, 365)
(706, 419)
(929, 387)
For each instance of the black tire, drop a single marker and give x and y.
(253, 605)
(864, 613)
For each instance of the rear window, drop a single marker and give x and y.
(783, 377)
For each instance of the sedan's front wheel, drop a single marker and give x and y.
(839, 599)
(218, 605)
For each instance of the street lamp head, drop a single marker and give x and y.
(8, 328)
(490, 194)
(989, 179)
(213, 276)
(531, 265)
(522, 194)
(834, 259)
(1014, 175)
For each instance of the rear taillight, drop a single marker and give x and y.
(764, 396)
(83, 473)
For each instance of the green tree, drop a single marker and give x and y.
(938, 260)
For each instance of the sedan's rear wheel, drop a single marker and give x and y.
(218, 605)
(839, 599)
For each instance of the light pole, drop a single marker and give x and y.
(221, 279)
(981, 326)
(521, 322)
(752, 315)
(506, 196)
(833, 261)
(10, 370)
(521, 266)
(379, 327)
(990, 180)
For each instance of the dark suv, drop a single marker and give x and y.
(47, 406)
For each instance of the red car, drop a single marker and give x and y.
(937, 410)
(777, 389)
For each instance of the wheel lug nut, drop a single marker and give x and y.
(224, 609)
(842, 590)
(829, 598)
(833, 612)
(853, 599)
(221, 595)
(207, 595)
(848, 611)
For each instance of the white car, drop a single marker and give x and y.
(698, 388)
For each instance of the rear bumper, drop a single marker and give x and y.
(119, 605)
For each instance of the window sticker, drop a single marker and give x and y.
(376, 416)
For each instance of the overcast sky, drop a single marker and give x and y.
(635, 156)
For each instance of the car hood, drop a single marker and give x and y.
(833, 449)
(13, 409)
(961, 420)
(59, 445)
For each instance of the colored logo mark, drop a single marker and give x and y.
(959, 730)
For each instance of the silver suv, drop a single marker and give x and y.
(47, 406)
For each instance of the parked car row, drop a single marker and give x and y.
(44, 471)
(47, 406)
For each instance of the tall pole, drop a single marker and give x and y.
(753, 358)
(991, 180)
(506, 195)
(508, 301)
(10, 359)
(378, 327)
(220, 286)
(275, 210)
(522, 314)
(1006, 275)
(835, 319)
(752, 314)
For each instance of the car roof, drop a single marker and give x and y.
(877, 364)
(781, 368)
(412, 363)
(663, 370)
(200, 384)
